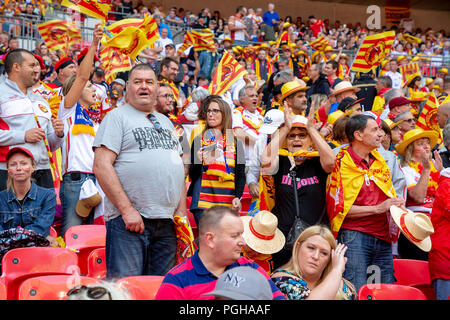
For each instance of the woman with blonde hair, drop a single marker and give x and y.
(422, 175)
(315, 269)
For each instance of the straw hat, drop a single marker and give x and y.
(391, 123)
(343, 86)
(261, 232)
(89, 198)
(429, 81)
(344, 56)
(286, 25)
(301, 52)
(415, 134)
(437, 87)
(334, 116)
(226, 39)
(416, 227)
(292, 87)
(264, 46)
(411, 78)
(328, 49)
(443, 70)
(259, 84)
(400, 58)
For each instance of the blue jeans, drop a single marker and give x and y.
(69, 195)
(441, 288)
(133, 254)
(366, 255)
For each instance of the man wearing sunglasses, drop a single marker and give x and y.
(139, 167)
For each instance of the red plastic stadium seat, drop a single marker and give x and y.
(3, 292)
(21, 264)
(409, 272)
(96, 264)
(141, 287)
(384, 291)
(51, 287)
(427, 289)
(85, 238)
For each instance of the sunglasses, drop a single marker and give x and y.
(155, 122)
(297, 135)
(92, 292)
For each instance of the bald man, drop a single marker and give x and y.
(443, 113)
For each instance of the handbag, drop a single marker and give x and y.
(299, 224)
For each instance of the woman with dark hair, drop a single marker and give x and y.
(217, 169)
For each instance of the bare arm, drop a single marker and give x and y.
(110, 184)
(84, 71)
(327, 156)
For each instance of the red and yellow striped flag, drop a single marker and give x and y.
(372, 51)
(147, 24)
(113, 62)
(411, 39)
(203, 40)
(320, 43)
(409, 69)
(228, 71)
(95, 8)
(427, 118)
(59, 34)
(131, 36)
(188, 42)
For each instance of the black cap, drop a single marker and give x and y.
(348, 102)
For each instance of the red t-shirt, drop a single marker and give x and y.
(370, 194)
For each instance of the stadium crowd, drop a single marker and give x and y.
(303, 170)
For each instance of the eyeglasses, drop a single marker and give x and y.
(167, 96)
(155, 122)
(92, 292)
(297, 135)
(213, 111)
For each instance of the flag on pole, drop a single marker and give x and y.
(203, 40)
(95, 8)
(147, 24)
(228, 71)
(409, 69)
(411, 39)
(113, 62)
(131, 36)
(372, 51)
(320, 43)
(59, 34)
(427, 118)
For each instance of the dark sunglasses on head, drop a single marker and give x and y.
(155, 122)
(92, 292)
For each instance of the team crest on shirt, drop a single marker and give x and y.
(43, 108)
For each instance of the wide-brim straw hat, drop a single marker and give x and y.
(410, 78)
(417, 227)
(342, 87)
(261, 232)
(415, 134)
(292, 87)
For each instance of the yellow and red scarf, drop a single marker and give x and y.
(250, 124)
(346, 180)
(218, 185)
(258, 69)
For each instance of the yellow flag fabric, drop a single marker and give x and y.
(130, 42)
(59, 34)
(147, 24)
(373, 50)
(94, 8)
(228, 71)
(411, 39)
(113, 62)
(346, 180)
